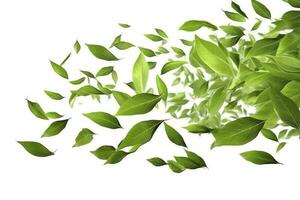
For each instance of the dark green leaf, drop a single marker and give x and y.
(87, 73)
(104, 152)
(269, 134)
(238, 9)
(261, 9)
(77, 46)
(147, 52)
(36, 149)
(84, 137)
(101, 52)
(116, 157)
(59, 70)
(195, 158)
(124, 25)
(157, 161)
(36, 109)
(259, 157)
(120, 97)
(174, 136)
(197, 128)
(104, 119)
(55, 128)
(54, 95)
(161, 33)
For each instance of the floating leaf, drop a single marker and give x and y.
(194, 25)
(259, 157)
(36, 109)
(139, 104)
(54, 95)
(238, 9)
(53, 115)
(197, 128)
(172, 65)
(105, 71)
(269, 134)
(162, 88)
(55, 128)
(104, 152)
(174, 136)
(120, 97)
(153, 37)
(77, 81)
(87, 73)
(235, 16)
(147, 52)
(116, 157)
(77, 46)
(124, 25)
(101, 52)
(280, 146)
(261, 9)
(156, 161)
(195, 158)
(175, 167)
(59, 70)
(140, 74)
(161, 33)
(84, 137)
(36, 149)
(104, 119)
(123, 45)
(87, 90)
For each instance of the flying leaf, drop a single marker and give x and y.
(197, 128)
(55, 128)
(116, 157)
(217, 100)
(162, 88)
(104, 152)
(101, 52)
(77, 46)
(87, 90)
(238, 132)
(259, 157)
(235, 16)
(104, 119)
(280, 146)
(140, 74)
(87, 73)
(120, 97)
(53, 115)
(194, 25)
(174, 136)
(139, 104)
(172, 65)
(156, 161)
(36, 109)
(195, 158)
(161, 33)
(54, 95)
(261, 9)
(238, 9)
(105, 71)
(123, 45)
(77, 81)
(154, 38)
(175, 166)
(84, 137)
(147, 52)
(269, 134)
(36, 149)
(124, 25)
(140, 133)
(59, 70)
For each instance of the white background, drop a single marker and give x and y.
(32, 32)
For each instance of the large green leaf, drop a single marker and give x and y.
(140, 74)
(104, 119)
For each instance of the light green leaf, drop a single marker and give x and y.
(280, 146)
(77, 81)
(140, 74)
(153, 37)
(235, 16)
(162, 88)
(140, 133)
(180, 53)
(256, 25)
(161, 33)
(120, 97)
(116, 41)
(53, 115)
(59, 70)
(147, 52)
(55, 128)
(54, 95)
(105, 71)
(197, 128)
(139, 104)
(217, 100)
(87, 90)
(77, 46)
(259, 157)
(264, 47)
(261, 9)
(104, 119)
(36, 149)
(101, 52)
(289, 42)
(84, 137)
(156, 161)
(123, 45)
(269, 134)
(175, 167)
(238, 132)
(172, 65)
(36, 109)
(194, 25)
(174, 136)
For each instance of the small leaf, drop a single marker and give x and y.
(53, 115)
(147, 52)
(195, 158)
(84, 137)
(256, 25)
(140, 74)
(54, 95)
(180, 53)
(105, 71)
(238, 9)
(55, 128)
(59, 70)
(162, 88)
(87, 73)
(174, 136)
(194, 25)
(36, 109)
(157, 161)
(120, 97)
(36, 149)
(259, 157)
(77, 81)
(104, 119)
(161, 33)
(269, 134)
(87, 90)
(286, 109)
(217, 100)
(280, 146)
(235, 16)
(101, 52)
(116, 41)
(154, 38)
(116, 157)
(171, 66)
(261, 9)
(187, 163)
(124, 25)
(197, 128)
(104, 152)
(175, 167)
(140, 133)
(139, 104)
(123, 45)
(77, 46)
(238, 132)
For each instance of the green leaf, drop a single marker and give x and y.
(156, 161)
(233, 30)
(289, 42)
(105, 71)
(53, 115)
(214, 57)
(104, 152)
(120, 97)
(235, 16)
(65, 60)
(154, 38)
(116, 41)
(36, 149)
(259, 157)
(186, 162)
(261, 9)
(294, 3)
(194, 25)
(195, 158)
(140, 74)
(36, 109)
(55, 128)
(264, 47)
(162, 88)
(147, 52)
(172, 65)
(286, 109)
(139, 104)
(175, 167)
(238, 9)
(280, 146)
(54, 95)
(116, 157)
(180, 53)
(101, 52)
(269, 134)
(161, 33)
(140, 133)
(238, 132)
(197, 128)
(59, 70)
(123, 45)
(77, 46)
(87, 73)
(87, 90)
(124, 25)
(104, 119)
(217, 100)
(77, 81)
(256, 25)
(84, 137)
(174, 136)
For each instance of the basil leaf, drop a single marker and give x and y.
(101, 52)
(140, 133)
(238, 9)
(54, 95)
(139, 104)
(59, 70)
(261, 9)
(104, 152)
(174, 136)
(286, 109)
(186, 162)
(36, 109)
(140, 74)
(77, 81)
(269, 134)
(36, 149)
(171, 66)
(87, 73)
(104, 119)
(120, 97)
(259, 157)
(175, 167)
(194, 25)
(55, 128)
(105, 71)
(77, 47)
(235, 16)
(214, 57)
(162, 88)
(156, 161)
(84, 137)
(238, 132)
